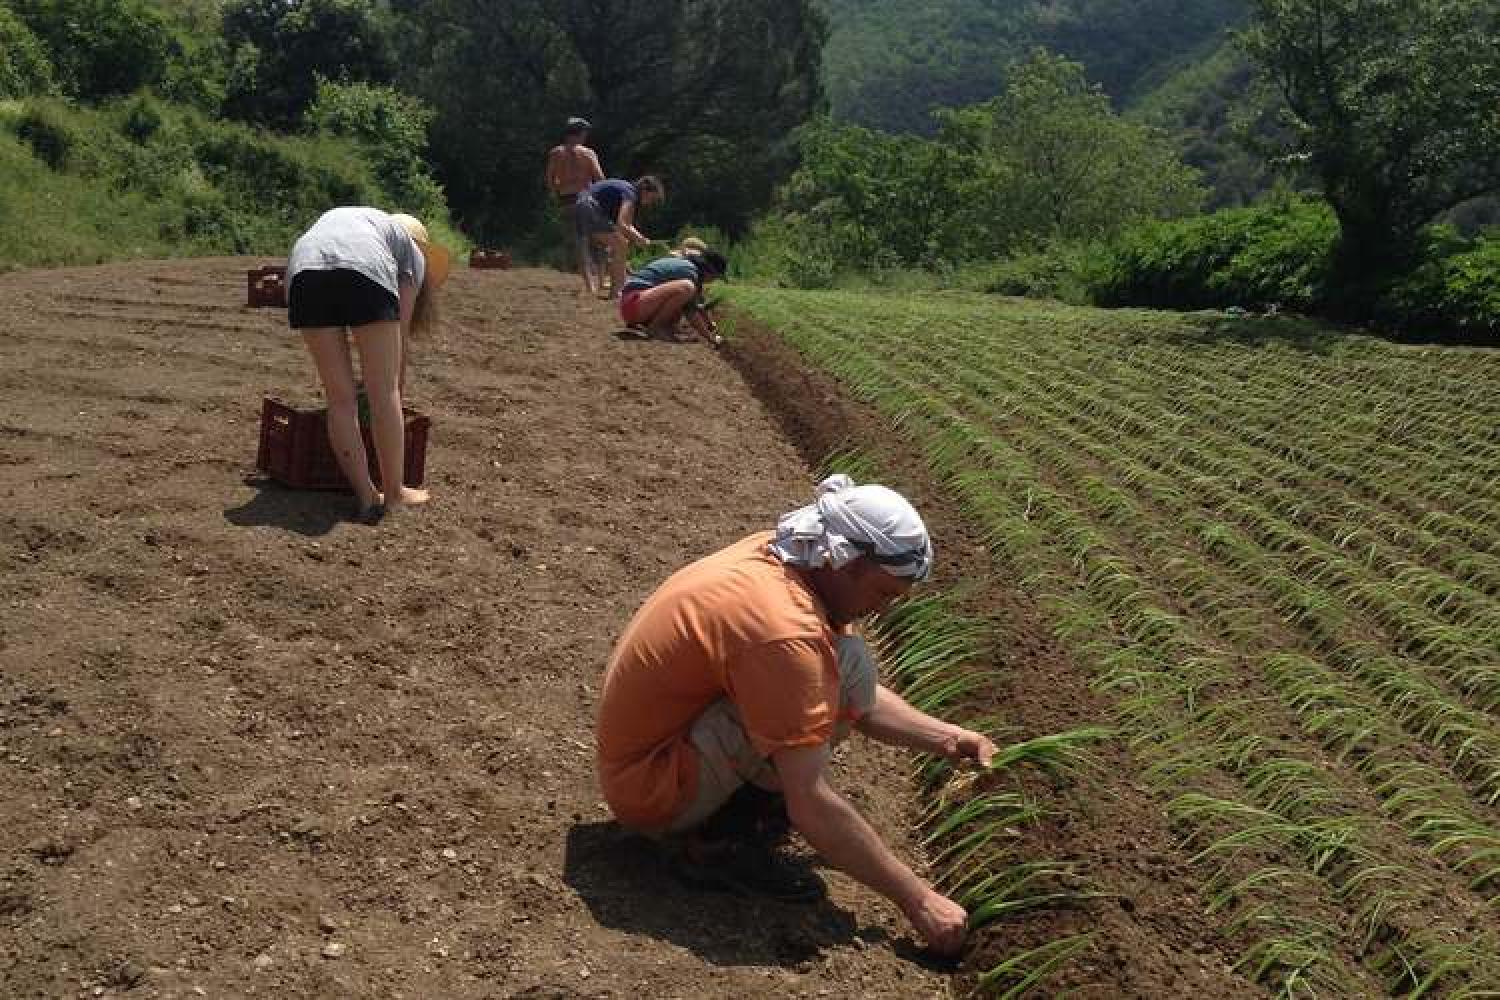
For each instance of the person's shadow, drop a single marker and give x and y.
(637, 336)
(626, 883)
(307, 512)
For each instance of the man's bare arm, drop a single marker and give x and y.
(596, 172)
(893, 720)
(625, 223)
(554, 171)
(841, 835)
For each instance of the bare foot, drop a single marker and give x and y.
(409, 496)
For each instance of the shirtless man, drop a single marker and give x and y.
(572, 167)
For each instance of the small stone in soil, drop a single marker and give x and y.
(334, 949)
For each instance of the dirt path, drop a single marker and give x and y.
(235, 729)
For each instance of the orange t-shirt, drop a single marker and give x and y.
(736, 624)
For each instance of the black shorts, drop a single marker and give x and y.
(338, 298)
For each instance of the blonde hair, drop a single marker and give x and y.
(425, 313)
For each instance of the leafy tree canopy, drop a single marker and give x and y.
(392, 129)
(280, 48)
(701, 91)
(889, 65)
(101, 48)
(1048, 160)
(1394, 105)
(24, 65)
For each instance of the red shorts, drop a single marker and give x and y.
(630, 302)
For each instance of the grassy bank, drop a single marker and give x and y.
(144, 178)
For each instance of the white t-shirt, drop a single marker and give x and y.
(362, 239)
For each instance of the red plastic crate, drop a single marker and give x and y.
(266, 286)
(294, 448)
(489, 259)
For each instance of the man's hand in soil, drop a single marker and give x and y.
(941, 922)
(969, 747)
(838, 832)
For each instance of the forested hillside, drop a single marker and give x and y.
(887, 65)
(224, 126)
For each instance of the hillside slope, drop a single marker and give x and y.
(887, 67)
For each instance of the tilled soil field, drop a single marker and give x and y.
(251, 748)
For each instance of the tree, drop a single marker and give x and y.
(1047, 161)
(1057, 162)
(392, 129)
(24, 66)
(705, 92)
(1394, 106)
(281, 48)
(100, 48)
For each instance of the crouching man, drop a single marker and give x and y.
(725, 695)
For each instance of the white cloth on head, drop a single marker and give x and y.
(848, 521)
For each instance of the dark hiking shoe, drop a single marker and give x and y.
(752, 815)
(747, 870)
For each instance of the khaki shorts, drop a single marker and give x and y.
(726, 757)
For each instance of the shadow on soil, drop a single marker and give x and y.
(1258, 331)
(306, 512)
(635, 336)
(624, 881)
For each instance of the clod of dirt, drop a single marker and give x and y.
(14, 903)
(127, 975)
(334, 949)
(52, 852)
(307, 829)
(327, 924)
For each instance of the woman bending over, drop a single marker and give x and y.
(377, 275)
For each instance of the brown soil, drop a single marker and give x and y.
(236, 728)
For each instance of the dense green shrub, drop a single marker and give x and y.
(1280, 254)
(25, 68)
(391, 127)
(1453, 294)
(1277, 253)
(1062, 271)
(101, 48)
(147, 177)
(48, 134)
(1046, 162)
(286, 182)
(281, 50)
(788, 252)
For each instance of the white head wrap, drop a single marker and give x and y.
(848, 521)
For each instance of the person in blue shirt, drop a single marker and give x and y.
(609, 208)
(658, 296)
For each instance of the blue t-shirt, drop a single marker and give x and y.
(610, 194)
(663, 270)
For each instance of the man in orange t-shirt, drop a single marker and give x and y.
(739, 674)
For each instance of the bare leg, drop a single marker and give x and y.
(583, 251)
(599, 256)
(329, 348)
(619, 251)
(586, 268)
(661, 307)
(380, 360)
